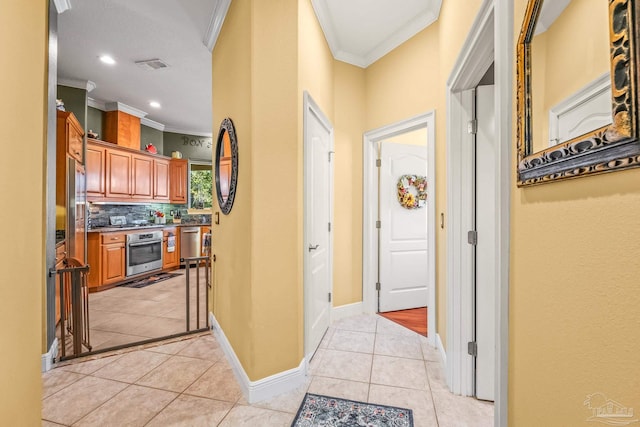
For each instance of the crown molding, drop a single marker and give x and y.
(96, 104)
(62, 5)
(218, 14)
(119, 106)
(408, 30)
(152, 124)
(87, 85)
(188, 132)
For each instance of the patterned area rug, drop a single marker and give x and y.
(317, 410)
(141, 283)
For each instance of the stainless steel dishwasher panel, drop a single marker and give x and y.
(189, 242)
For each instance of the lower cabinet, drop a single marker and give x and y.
(170, 259)
(113, 266)
(106, 255)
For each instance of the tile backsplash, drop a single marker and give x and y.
(99, 214)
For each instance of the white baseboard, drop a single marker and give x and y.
(50, 356)
(265, 388)
(347, 310)
(440, 347)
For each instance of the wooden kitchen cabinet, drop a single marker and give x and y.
(122, 129)
(95, 164)
(113, 263)
(170, 259)
(118, 174)
(178, 169)
(69, 130)
(142, 174)
(161, 181)
(106, 255)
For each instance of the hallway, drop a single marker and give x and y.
(189, 383)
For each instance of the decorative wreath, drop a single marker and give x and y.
(406, 198)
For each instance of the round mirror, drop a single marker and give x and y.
(226, 165)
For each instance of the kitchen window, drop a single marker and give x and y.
(200, 186)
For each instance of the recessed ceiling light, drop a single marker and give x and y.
(107, 59)
(154, 104)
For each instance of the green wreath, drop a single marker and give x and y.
(406, 198)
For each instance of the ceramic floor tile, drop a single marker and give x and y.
(135, 406)
(459, 411)
(399, 346)
(171, 348)
(217, 383)
(343, 389)
(324, 343)
(387, 327)
(437, 378)
(361, 342)
(419, 401)
(399, 372)
(56, 380)
(345, 365)
(316, 361)
(249, 416)
(50, 424)
(203, 348)
(428, 352)
(131, 366)
(101, 340)
(191, 411)
(176, 374)
(89, 366)
(361, 323)
(77, 400)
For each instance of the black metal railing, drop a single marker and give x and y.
(198, 262)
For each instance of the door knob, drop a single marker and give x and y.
(313, 248)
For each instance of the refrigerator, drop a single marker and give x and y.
(76, 211)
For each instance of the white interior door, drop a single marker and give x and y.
(485, 283)
(403, 232)
(318, 212)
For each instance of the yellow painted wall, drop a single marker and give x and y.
(23, 35)
(574, 296)
(231, 70)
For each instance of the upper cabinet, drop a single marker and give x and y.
(122, 129)
(70, 131)
(178, 181)
(120, 175)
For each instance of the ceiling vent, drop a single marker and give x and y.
(152, 64)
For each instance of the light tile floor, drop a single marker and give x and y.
(189, 383)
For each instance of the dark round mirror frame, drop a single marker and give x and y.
(227, 126)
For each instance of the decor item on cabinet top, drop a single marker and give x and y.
(60, 105)
(176, 154)
(92, 134)
(150, 148)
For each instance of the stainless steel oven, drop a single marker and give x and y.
(144, 252)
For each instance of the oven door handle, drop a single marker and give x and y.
(150, 242)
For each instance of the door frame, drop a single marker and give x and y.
(312, 108)
(370, 210)
(490, 39)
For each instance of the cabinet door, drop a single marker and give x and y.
(169, 259)
(142, 184)
(161, 179)
(75, 140)
(113, 267)
(118, 174)
(95, 171)
(178, 181)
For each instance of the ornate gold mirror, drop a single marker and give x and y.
(226, 166)
(577, 89)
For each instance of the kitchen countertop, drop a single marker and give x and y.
(143, 227)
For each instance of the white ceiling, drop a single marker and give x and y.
(358, 32)
(362, 31)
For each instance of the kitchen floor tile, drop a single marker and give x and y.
(55, 380)
(203, 348)
(89, 366)
(191, 411)
(133, 407)
(217, 383)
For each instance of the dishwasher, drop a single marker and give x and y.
(189, 242)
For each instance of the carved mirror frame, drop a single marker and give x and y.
(227, 126)
(607, 149)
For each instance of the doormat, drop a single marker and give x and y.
(317, 410)
(141, 283)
